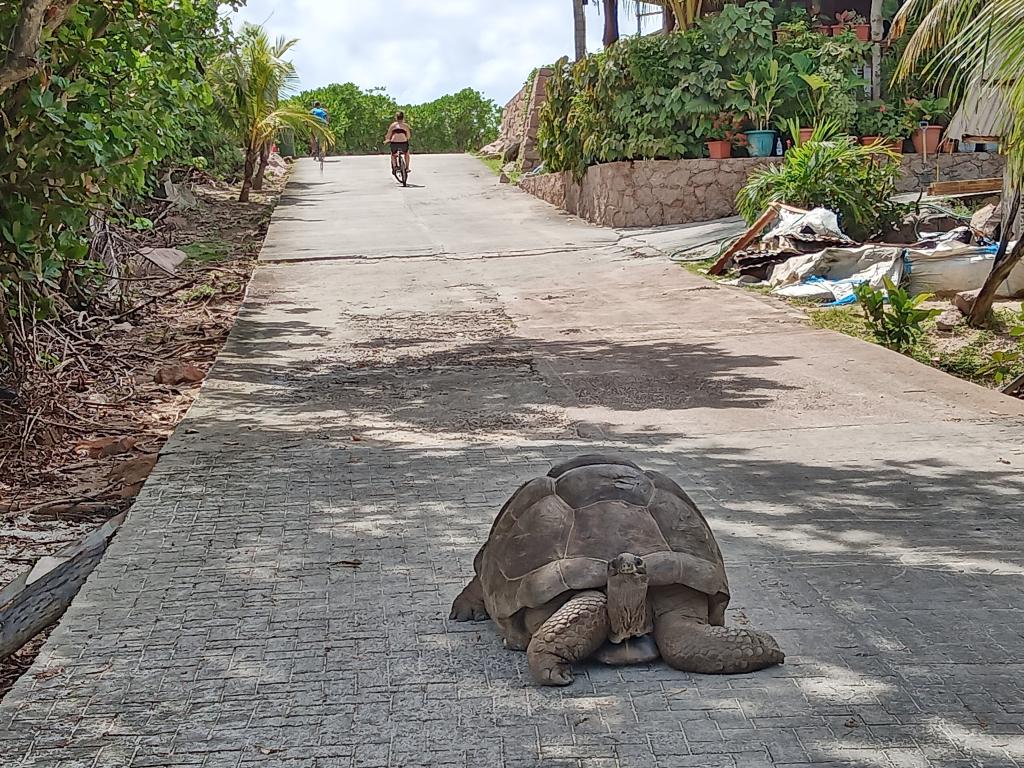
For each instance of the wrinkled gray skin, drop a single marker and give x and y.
(536, 576)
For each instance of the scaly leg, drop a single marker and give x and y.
(689, 643)
(573, 633)
(470, 603)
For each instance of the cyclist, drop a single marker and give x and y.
(324, 117)
(398, 136)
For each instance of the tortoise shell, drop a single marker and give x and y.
(557, 533)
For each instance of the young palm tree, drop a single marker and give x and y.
(248, 83)
(974, 44)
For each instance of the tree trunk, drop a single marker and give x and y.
(668, 19)
(579, 29)
(877, 28)
(611, 22)
(1004, 264)
(251, 153)
(257, 181)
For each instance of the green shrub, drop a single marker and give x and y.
(856, 182)
(896, 319)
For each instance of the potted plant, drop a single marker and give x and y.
(853, 21)
(761, 88)
(725, 131)
(878, 121)
(924, 117)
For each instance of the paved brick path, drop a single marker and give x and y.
(405, 359)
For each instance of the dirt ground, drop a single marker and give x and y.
(76, 449)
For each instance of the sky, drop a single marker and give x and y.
(420, 50)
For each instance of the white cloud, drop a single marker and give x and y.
(420, 50)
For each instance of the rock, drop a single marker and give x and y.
(504, 179)
(949, 319)
(964, 301)
(179, 374)
(159, 262)
(509, 168)
(512, 152)
(987, 220)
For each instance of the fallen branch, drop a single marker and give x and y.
(73, 500)
(152, 299)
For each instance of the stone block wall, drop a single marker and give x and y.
(520, 121)
(919, 172)
(648, 193)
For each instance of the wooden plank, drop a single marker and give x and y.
(40, 595)
(751, 235)
(973, 186)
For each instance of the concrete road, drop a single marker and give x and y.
(407, 357)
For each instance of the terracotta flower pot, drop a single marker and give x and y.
(928, 143)
(838, 29)
(863, 32)
(824, 29)
(719, 150)
(896, 145)
(806, 134)
(867, 141)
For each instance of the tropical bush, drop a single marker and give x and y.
(113, 93)
(658, 97)
(855, 181)
(455, 122)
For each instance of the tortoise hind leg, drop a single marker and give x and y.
(689, 643)
(573, 633)
(470, 603)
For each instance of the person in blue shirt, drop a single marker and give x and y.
(324, 117)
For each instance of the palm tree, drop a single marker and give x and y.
(611, 22)
(248, 83)
(973, 44)
(579, 29)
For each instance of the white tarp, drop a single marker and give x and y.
(832, 274)
(951, 267)
(819, 225)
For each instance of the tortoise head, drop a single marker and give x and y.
(629, 614)
(627, 564)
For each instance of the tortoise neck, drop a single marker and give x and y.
(629, 613)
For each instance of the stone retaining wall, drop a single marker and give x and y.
(650, 193)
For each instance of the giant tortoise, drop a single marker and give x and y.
(593, 559)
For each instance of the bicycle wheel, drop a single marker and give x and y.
(403, 171)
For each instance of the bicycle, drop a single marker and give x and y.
(401, 170)
(318, 152)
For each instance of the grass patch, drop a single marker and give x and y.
(494, 163)
(848, 320)
(207, 251)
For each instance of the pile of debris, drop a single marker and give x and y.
(805, 254)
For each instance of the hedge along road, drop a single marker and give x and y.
(405, 358)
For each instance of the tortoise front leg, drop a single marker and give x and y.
(573, 633)
(470, 603)
(689, 643)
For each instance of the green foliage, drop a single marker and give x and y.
(653, 97)
(121, 91)
(896, 319)
(879, 118)
(856, 182)
(457, 122)
(660, 96)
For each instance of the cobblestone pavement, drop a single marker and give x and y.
(279, 596)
